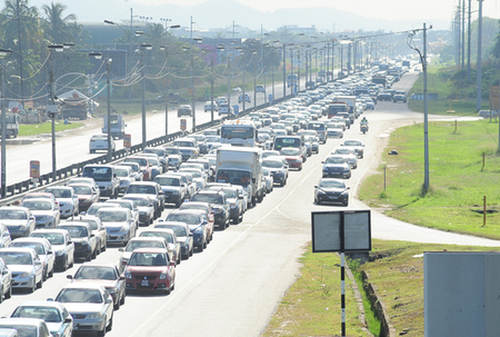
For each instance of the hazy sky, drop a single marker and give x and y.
(382, 9)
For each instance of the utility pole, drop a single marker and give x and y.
(298, 68)
(479, 61)
(463, 35)
(20, 51)
(426, 117)
(212, 88)
(193, 108)
(143, 101)
(349, 46)
(4, 52)
(292, 83)
(333, 60)
(469, 13)
(52, 111)
(108, 103)
(284, 70)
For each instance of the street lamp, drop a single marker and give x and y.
(142, 49)
(3, 54)
(52, 108)
(98, 56)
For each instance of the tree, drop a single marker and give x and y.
(57, 26)
(496, 47)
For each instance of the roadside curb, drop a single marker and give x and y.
(386, 329)
(359, 301)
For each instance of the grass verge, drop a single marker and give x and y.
(458, 181)
(37, 129)
(311, 307)
(398, 275)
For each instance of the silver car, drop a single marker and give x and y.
(90, 305)
(26, 327)
(119, 224)
(55, 315)
(18, 220)
(44, 250)
(26, 267)
(5, 281)
(67, 199)
(168, 235)
(136, 243)
(45, 210)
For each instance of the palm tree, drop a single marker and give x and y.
(56, 24)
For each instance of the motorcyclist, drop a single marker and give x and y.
(364, 121)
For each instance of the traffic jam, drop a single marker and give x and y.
(161, 206)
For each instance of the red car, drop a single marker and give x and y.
(293, 157)
(150, 269)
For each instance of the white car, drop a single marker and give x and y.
(44, 250)
(100, 143)
(26, 267)
(208, 106)
(58, 320)
(67, 199)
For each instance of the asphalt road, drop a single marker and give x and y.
(73, 146)
(233, 287)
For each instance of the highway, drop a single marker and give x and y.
(233, 287)
(73, 146)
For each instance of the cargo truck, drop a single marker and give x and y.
(117, 126)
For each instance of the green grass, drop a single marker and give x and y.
(37, 129)
(398, 276)
(457, 180)
(311, 307)
(456, 94)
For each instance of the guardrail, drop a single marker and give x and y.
(17, 189)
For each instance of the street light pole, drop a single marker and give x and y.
(4, 53)
(144, 47)
(284, 70)
(479, 61)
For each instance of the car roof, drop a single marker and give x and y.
(73, 224)
(114, 209)
(21, 321)
(158, 230)
(148, 183)
(82, 285)
(19, 208)
(168, 223)
(51, 304)
(97, 264)
(31, 239)
(51, 230)
(145, 239)
(151, 250)
(38, 199)
(188, 211)
(18, 249)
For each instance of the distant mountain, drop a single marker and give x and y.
(221, 13)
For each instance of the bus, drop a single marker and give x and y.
(239, 133)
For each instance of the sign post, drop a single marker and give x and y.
(35, 171)
(341, 231)
(127, 140)
(183, 124)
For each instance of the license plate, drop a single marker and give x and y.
(144, 283)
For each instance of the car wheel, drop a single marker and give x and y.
(116, 306)
(39, 284)
(110, 325)
(51, 273)
(33, 286)
(122, 300)
(45, 274)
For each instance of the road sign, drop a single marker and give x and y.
(127, 140)
(495, 98)
(34, 169)
(183, 124)
(348, 231)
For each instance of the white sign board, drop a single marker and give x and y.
(348, 231)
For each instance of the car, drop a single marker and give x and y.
(150, 269)
(19, 222)
(119, 224)
(85, 242)
(26, 267)
(4, 236)
(197, 176)
(105, 178)
(139, 242)
(348, 150)
(268, 179)
(186, 179)
(331, 190)
(246, 97)
(294, 157)
(84, 180)
(136, 172)
(44, 250)
(278, 168)
(58, 320)
(67, 199)
(197, 221)
(5, 281)
(209, 211)
(63, 247)
(174, 190)
(235, 200)
(168, 235)
(260, 88)
(335, 133)
(184, 110)
(92, 211)
(174, 161)
(129, 204)
(355, 144)
(336, 170)
(208, 106)
(217, 201)
(100, 143)
(151, 189)
(86, 195)
(90, 305)
(125, 177)
(399, 98)
(45, 210)
(145, 207)
(106, 275)
(96, 228)
(182, 235)
(26, 327)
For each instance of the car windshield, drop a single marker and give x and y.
(141, 189)
(352, 143)
(96, 207)
(173, 160)
(179, 231)
(163, 235)
(54, 238)
(77, 295)
(82, 189)
(76, 231)
(272, 163)
(121, 172)
(121, 203)
(60, 193)
(168, 181)
(190, 219)
(95, 273)
(38, 205)
(140, 201)
(13, 214)
(335, 160)
(344, 151)
(90, 222)
(98, 173)
(22, 330)
(196, 174)
(184, 144)
(47, 314)
(112, 216)
(16, 258)
(290, 151)
(235, 177)
(136, 244)
(37, 247)
(229, 192)
(171, 150)
(140, 161)
(148, 260)
(212, 198)
(331, 184)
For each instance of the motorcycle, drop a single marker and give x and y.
(364, 128)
